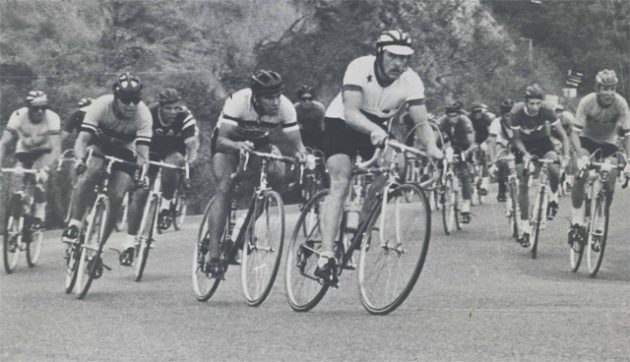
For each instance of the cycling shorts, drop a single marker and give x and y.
(607, 149)
(339, 138)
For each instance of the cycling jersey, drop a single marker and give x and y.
(239, 111)
(532, 127)
(500, 128)
(380, 102)
(103, 122)
(172, 138)
(456, 134)
(33, 137)
(75, 120)
(600, 123)
(310, 116)
(480, 126)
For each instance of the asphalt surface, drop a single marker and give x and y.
(480, 297)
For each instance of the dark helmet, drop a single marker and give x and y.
(454, 107)
(305, 89)
(534, 91)
(127, 87)
(36, 98)
(169, 95)
(266, 83)
(84, 102)
(506, 106)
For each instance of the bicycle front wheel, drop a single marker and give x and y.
(145, 235)
(303, 288)
(394, 249)
(450, 218)
(203, 285)
(539, 213)
(262, 249)
(34, 247)
(12, 236)
(597, 234)
(90, 263)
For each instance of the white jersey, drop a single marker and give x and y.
(503, 133)
(239, 111)
(379, 101)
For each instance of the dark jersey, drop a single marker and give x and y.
(310, 117)
(456, 134)
(481, 126)
(532, 127)
(172, 138)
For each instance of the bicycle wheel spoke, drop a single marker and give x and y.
(390, 266)
(203, 286)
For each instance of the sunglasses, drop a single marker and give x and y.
(307, 98)
(452, 115)
(130, 99)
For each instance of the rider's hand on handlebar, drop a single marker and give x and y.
(245, 146)
(435, 153)
(492, 170)
(41, 176)
(564, 161)
(583, 162)
(379, 137)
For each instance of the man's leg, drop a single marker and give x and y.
(340, 170)
(170, 178)
(523, 201)
(554, 183)
(223, 165)
(463, 172)
(485, 175)
(120, 183)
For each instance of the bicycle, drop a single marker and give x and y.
(448, 188)
(378, 236)
(19, 233)
(83, 262)
(538, 219)
(260, 238)
(415, 168)
(476, 179)
(596, 212)
(311, 181)
(150, 217)
(512, 209)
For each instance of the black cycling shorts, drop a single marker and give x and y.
(607, 149)
(539, 147)
(27, 159)
(339, 138)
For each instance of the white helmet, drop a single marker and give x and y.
(395, 42)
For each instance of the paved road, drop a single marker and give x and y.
(479, 298)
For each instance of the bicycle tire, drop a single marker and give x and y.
(372, 295)
(540, 201)
(448, 208)
(145, 235)
(72, 266)
(301, 260)
(12, 234)
(92, 249)
(34, 247)
(600, 210)
(514, 213)
(199, 276)
(258, 249)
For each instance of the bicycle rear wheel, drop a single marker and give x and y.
(262, 250)
(11, 243)
(303, 288)
(394, 249)
(34, 247)
(450, 217)
(145, 235)
(597, 234)
(90, 263)
(203, 285)
(180, 212)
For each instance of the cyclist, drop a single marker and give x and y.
(374, 89)
(119, 125)
(458, 130)
(529, 119)
(481, 120)
(35, 130)
(598, 116)
(499, 139)
(175, 140)
(73, 126)
(245, 123)
(310, 117)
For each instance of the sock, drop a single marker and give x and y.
(577, 216)
(465, 206)
(553, 197)
(40, 211)
(166, 204)
(130, 242)
(75, 222)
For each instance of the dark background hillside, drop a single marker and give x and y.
(466, 49)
